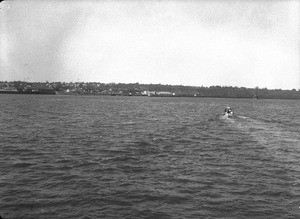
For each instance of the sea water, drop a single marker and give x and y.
(141, 157)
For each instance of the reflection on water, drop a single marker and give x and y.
(138, 157)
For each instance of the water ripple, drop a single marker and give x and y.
(136, 157)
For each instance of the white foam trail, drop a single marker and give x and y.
(243, 117)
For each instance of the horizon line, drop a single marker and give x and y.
(256, 87)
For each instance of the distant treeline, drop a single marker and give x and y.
(136, 89)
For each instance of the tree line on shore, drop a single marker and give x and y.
(136, 89)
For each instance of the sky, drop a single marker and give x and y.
(246, 43)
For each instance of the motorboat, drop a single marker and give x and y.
(228, 112)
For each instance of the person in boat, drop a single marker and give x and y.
(228, 110)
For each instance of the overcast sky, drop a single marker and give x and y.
(227, 43)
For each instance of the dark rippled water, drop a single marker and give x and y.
(139, 157)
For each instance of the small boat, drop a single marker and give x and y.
(228, 112)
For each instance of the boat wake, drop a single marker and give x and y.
(268, 135)
(226, 118)
(243, 117)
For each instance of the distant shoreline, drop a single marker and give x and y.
(150, 90)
